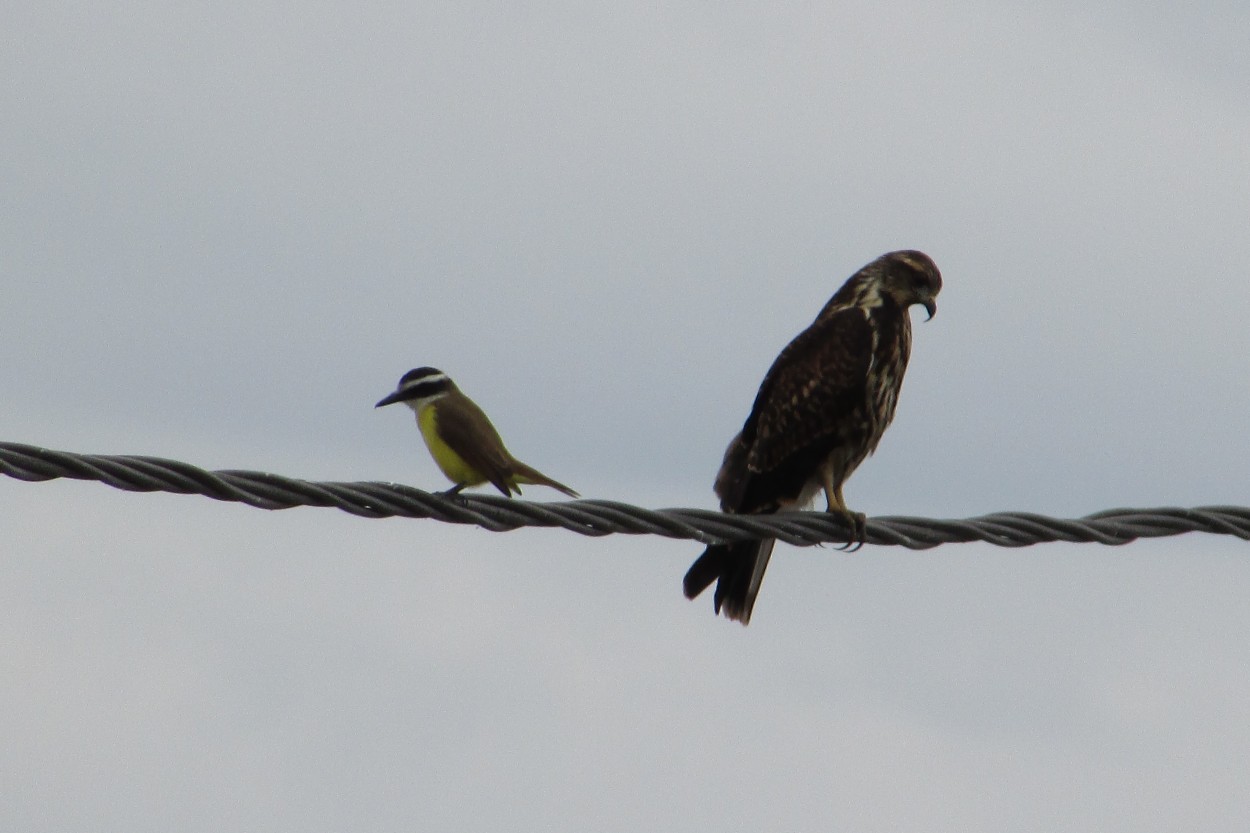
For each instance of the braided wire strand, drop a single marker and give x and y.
(602, 517)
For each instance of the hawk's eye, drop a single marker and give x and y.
(917, 276)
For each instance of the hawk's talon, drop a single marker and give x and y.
(858, 522)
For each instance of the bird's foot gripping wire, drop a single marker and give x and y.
(857, 522)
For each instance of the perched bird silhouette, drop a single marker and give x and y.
(463, 443)
(820, 411)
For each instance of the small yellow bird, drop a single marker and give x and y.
(460, 438)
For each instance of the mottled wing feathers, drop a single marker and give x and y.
(819, 378)
(457, 418)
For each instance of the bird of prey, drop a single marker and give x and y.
(461, 439)
(820, 411)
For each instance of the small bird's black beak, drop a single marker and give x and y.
(931, 306)
(397, 396)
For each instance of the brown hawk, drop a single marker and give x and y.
(821, 410)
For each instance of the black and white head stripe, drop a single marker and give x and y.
(423, 383)
(423, 375)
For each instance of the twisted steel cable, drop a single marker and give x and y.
(601, 517)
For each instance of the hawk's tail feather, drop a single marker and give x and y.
(738, 570)
(706, 569)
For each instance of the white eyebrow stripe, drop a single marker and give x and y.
(432, 379)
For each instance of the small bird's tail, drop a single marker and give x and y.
(738, 570)
(522, 473)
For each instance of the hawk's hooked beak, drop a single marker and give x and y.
(931, 306)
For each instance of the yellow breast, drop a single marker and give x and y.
(451, 463)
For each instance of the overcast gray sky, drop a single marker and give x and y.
(227, 229)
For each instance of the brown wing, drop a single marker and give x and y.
(465, 428)
(817, 384)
